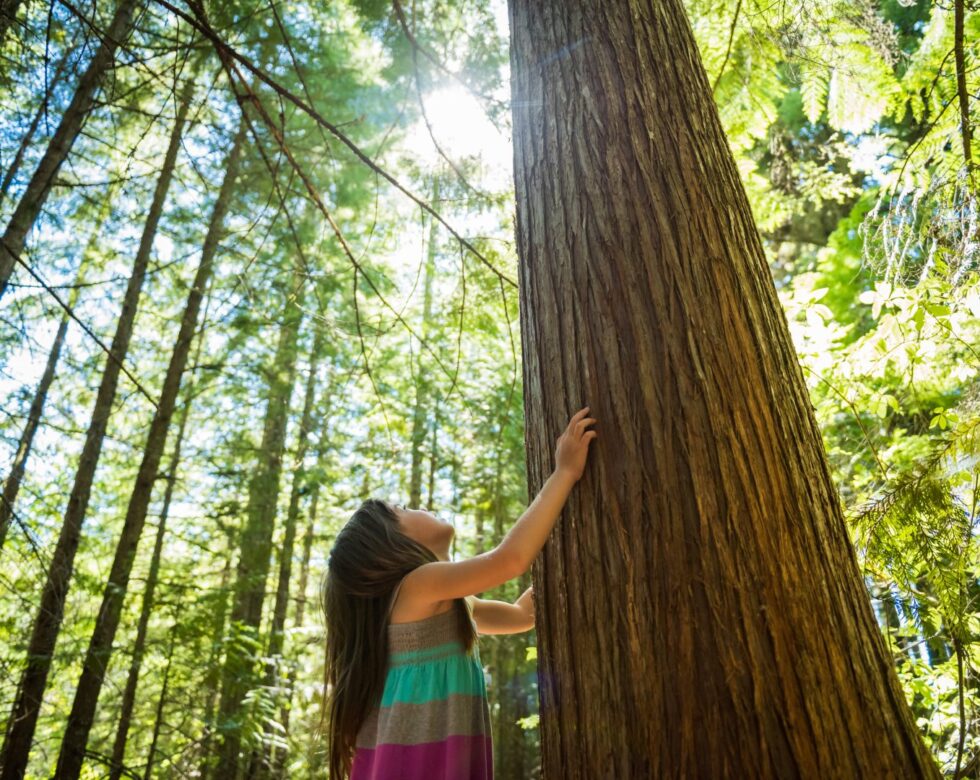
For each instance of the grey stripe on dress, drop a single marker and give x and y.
(411, 724)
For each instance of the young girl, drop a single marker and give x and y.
(405, 692)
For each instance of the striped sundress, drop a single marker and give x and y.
(433, 722)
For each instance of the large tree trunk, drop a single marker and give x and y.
(47, 624)
(34, 196)
(700, 608)
(256, 540)
(100, 645)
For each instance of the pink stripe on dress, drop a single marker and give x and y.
(454, 758)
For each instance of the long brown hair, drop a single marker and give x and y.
(369, 558)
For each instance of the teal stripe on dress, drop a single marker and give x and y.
(420, 683)
(428, 654)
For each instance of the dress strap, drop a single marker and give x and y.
(394, 596)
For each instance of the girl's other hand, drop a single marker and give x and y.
(573, 445)
(526, 603)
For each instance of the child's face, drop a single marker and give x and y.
(425, 528)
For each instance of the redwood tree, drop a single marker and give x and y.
(701, 612)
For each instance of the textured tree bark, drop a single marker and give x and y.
(100, 644)
(33, 198)
(700, 608)
(47, 624)
(256, 540)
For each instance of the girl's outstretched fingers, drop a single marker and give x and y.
(573, 444)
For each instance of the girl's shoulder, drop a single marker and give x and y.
(404, 611)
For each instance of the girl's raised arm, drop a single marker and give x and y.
(444, 580)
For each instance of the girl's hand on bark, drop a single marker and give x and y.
(526, 603)
(573, 445)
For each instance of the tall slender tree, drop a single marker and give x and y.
(420, 420)
(42, 108)
(148, 600)
(256, 539)
(212, 678)
(36, 193)
(161, 703)
(268, 763)
(700, 608)
(100, 645)
(322, 451)
(44, 635)
(12, 484)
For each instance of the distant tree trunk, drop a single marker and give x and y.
(274, 677)
(47, 624)
(420, 418)
(36, 193)
(256, 539)
(909, 643)
(146, 607)
(100, 645)
(479, 542)
(893, 607)
(888, 610)
(937, 651)
(8, 15)
(501, 658)
(700, 611)
(149, 592)
(28, 138)
(507, 730)
(304, 567)
(433, 459)
(304, 570)
(213, 677)
(11, 487)
(161, 702)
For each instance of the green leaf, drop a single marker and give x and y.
(813, 89)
